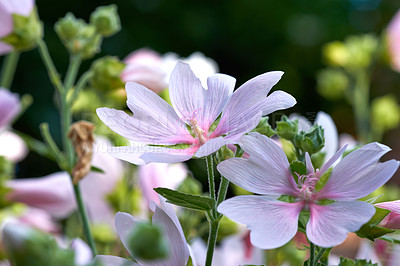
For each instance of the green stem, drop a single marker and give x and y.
(51, 69)
(72, 72)
(212, 239)
(210, 172)
(361, 105)
(44, 128)
(319, 255)
(223, 188)
(79, 86)
(8, 69)
(312, 254)
(85, 222)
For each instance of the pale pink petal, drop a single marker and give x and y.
(303, 123)
(83, 253)
(392, 220)
(39, 219)
(332, 160)
(5, 48)
(358, 174)
(107, 260)
(166, 218)
(12, 146)
(20, 7)
(330, 134)
(277, 100)
(160, 175)
(272, 223)
(243, 110)
(265, 172)
(211, 146)
(186, 92)
(329, 224)
(9, 107)
(393, 39)
(160, 130)
(220, 87)
(141, 155)
(52, 193)
(124, 223)
(309, 165)
(6, 20)
(202, 66)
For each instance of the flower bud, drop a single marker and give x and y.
(26, 30)
(106, 73)
(106, 20)
(336, 54)
(385, 112)
(68, 27)
(224, 153)
(148, 242)
(264, 128)
(312, 141)
(88, 42)
(392, 220)
(332, 83)
(287, 128)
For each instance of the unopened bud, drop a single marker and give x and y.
(106, 73)
(224, 153)
(332, 83)
(106, 20)
(336, 54)
(68, 27)
(287, 128)
(385, 112)
(148, 242)
(312, 141)
(81, 135)
(264, 128)
(392, 220)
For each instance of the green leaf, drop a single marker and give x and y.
(195, 202)
(371, 230)
(298, 168)
(390, 239)
(96, 169)
(350, 262)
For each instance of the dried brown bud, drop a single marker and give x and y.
(81, 135)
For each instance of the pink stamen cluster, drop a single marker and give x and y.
(307, 185)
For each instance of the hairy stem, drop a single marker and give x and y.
(8, 69)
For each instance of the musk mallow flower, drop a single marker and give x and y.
(190, 121)
(165, 217)
(392, 220)
(267, 172)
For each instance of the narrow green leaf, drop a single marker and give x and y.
(185, 200)
(96, 169)
(371, 230)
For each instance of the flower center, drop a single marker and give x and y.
(307, 186)
(198, 132)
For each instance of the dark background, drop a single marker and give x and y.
(245, 38)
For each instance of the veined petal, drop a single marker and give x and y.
(332, 160)
(352, 187)
(124, 223)
(211, 146)
(272, 223)
(163, 130)
(220, 87)
(309, 165)
(141, 155)
(330, 133)
(165, 217)
(358, 174)
(185, 91)
(246, 105)
(108, 260)
(329, 224)
(277, 100)
(265, 172)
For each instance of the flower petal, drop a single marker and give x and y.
(392, 220)
(108, 260)
(20, 7)
(329, 224)
(12, 146)
(154, 129)
(124, 223)
(141, 155)
(9, 106)
(185, 91)
(5, 48)
(243, 110)
(309, 165)
(165, 217)
(277, 100)
(6, 20)
(265, 172)
(357, 175)
(220, 87)
(83, 253)
(272, 223)
(332, 160)
(211, 146)
(330, 133)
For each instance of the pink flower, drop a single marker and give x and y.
(9, 106)
(155, 123)
(393, 38)
(7, 8)
(392, 220)
(165, 217)
(267, 172)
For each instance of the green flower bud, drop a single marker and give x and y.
(103, 233)
(106, 73)
(27, 246)
(287, 128)
(148, 242)
(385, 112)
(312, 141)
(264, 128)
(191, 186)
(335, 54)
(106, 20)
(332, 83)
(224, 153)
(68, 27)
(361, 50)
(27, 31)
(88, 42)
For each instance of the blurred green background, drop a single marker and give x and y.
(245, 38)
